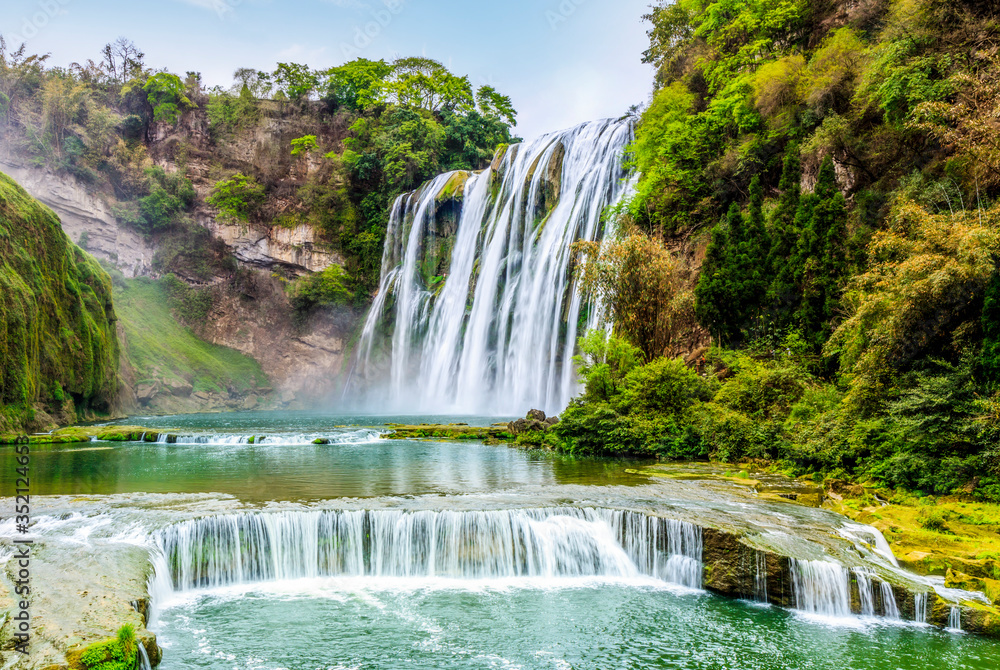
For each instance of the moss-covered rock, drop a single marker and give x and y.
(58, 338)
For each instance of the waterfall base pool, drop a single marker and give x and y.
(384, 624)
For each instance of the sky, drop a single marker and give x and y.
(563, 62)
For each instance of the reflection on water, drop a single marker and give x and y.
(286, 467)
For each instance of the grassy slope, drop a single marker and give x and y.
(58, 346)
(159, 348)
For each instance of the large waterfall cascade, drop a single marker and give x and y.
(477, 310)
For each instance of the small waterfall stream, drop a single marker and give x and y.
(821, 588)
(920, 607)
(496, 330)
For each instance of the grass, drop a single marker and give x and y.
(158, 347)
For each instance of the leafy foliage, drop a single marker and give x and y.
(238, 198)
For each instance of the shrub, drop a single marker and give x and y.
(329, 287)
(238, 199)
(304, 145)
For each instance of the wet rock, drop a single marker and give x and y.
(536, 415)
(551, 421)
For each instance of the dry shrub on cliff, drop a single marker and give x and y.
(646, 288)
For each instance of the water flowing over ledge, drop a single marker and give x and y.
(477, 309)
(549, 543)
(562, 543)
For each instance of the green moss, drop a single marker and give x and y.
(119, 653)
(57, 320)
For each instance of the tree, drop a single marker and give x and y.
(166, 95)
(297, 82)
(783, 297)
(427, 84)
(990, 358)
(256, 84)
(822, 262)
(719, 292)
(755, 251)
(123, 60)
(358, 85)
(645, 289)
(492, 105)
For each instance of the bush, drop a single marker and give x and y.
(329, 287)
(238, 199)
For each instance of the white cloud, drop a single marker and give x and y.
(220, 7)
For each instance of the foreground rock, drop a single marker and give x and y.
(80, 595)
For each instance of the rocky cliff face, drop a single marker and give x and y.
(86, 217)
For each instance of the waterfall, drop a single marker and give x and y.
(920, 607)
(821, 588)
(477, 309)
(955, 619)
(144, 663)
(760, 577)
(865, 592)
(890, 610)
(552, 543)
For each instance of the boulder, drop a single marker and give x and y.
(144, 393)
(536, 415)
(552, 420)
(179, 387)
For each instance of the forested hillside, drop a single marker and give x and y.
(165, 149)
(819, 195)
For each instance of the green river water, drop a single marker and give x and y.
(427, 623)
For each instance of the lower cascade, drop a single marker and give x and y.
(821, 588)
(478, 310)
(252, 548)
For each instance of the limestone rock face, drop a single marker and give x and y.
(84, 215)
(294, 248)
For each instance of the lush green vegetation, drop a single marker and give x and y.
(834, 160)
(58, 341)
(160, 349)
(120, 653)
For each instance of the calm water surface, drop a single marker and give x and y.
(214, 458)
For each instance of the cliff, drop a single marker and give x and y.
(58, 338)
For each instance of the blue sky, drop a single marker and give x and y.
(562, 61)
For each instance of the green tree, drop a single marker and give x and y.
(358, 85)
(822, 262)
(296, 81)
(783, 295)
(719, 291)
(166, 95)
(990, 360)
